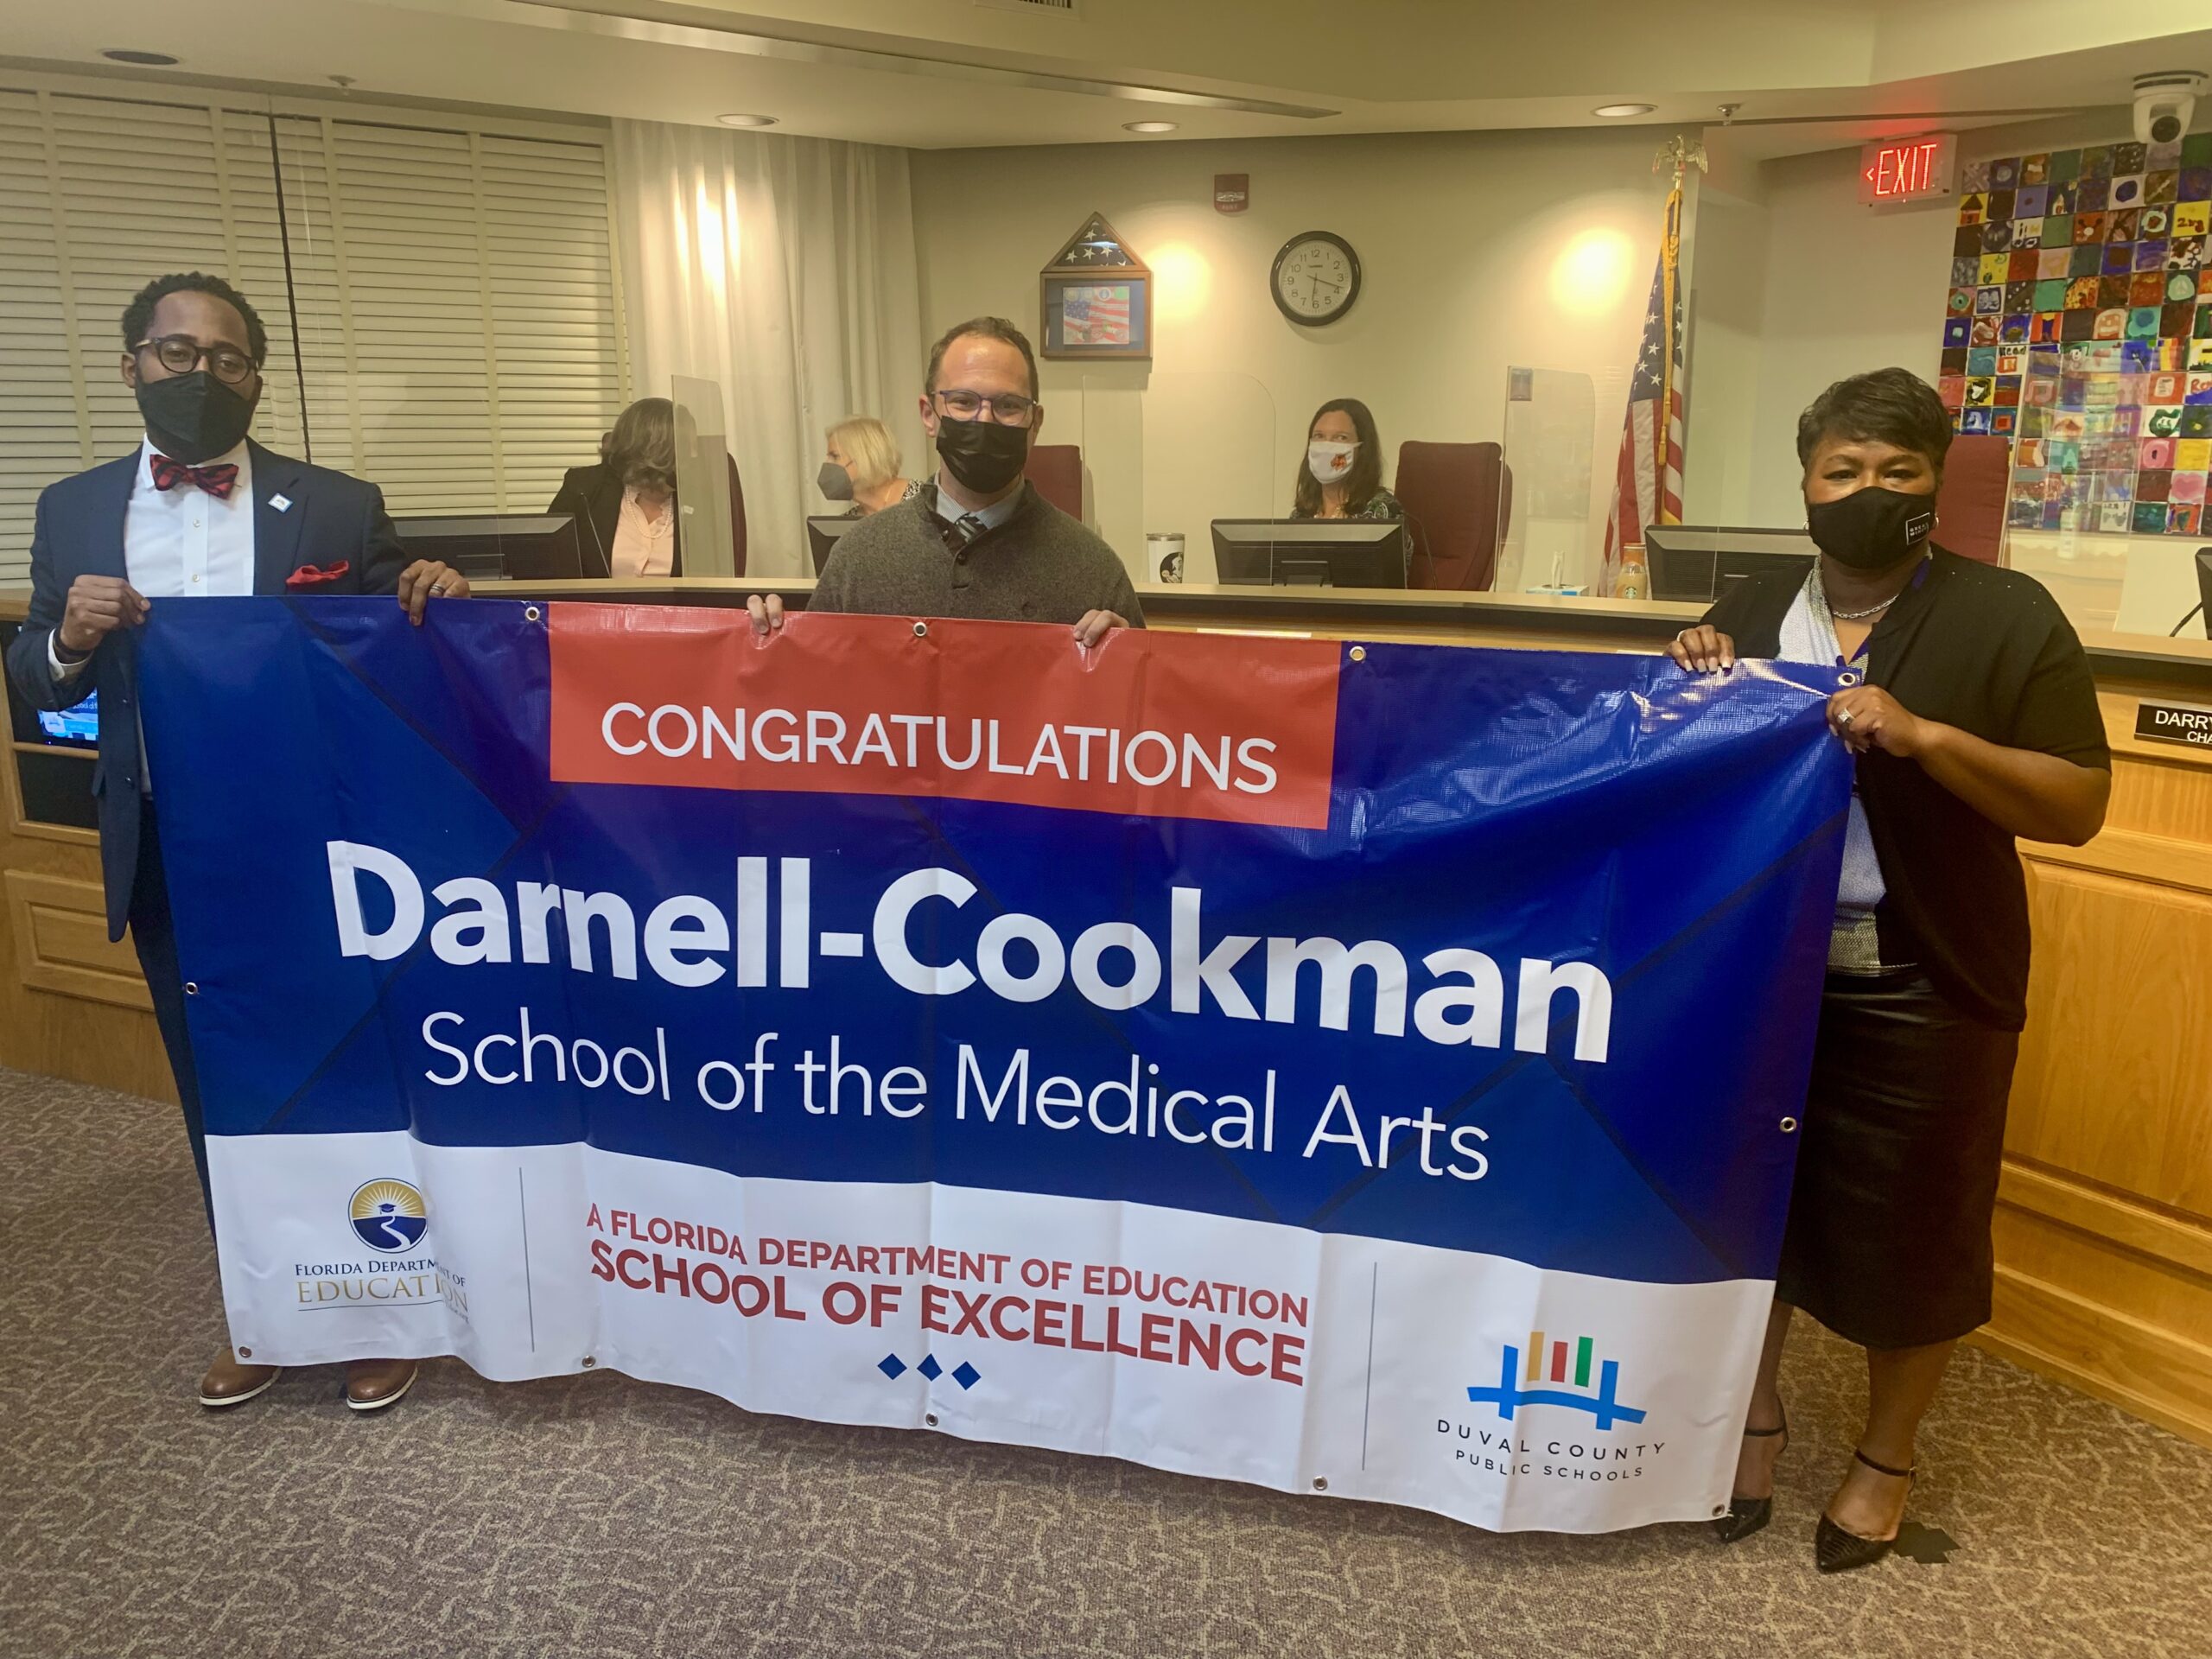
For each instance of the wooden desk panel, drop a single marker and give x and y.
(72, 1004)
(2104, 1221)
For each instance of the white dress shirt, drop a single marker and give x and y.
(181, 544)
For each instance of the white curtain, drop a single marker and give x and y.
(784, 270)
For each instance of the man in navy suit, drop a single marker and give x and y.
(197, 509)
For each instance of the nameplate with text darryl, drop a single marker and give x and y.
(2174, 722)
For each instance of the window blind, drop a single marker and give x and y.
(456, 295)
(42, 429)
(454, 286)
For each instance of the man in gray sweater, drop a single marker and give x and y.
(978, 541)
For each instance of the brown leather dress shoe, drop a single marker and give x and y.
(373, 1384)
(227, 1382)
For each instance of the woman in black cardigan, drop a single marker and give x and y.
(1975, 720)
(625, 506)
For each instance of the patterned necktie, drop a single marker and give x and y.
(219, 481)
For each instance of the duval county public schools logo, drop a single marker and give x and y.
(1515, 1389)
(389, 1216)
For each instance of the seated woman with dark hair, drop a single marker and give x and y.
(1343, 474)
(625, 507)
(1974, 719)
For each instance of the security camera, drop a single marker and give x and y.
(2164, 104)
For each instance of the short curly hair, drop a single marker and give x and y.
(138, 315)
(1893, 406)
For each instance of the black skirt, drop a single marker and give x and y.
(1887, 1238)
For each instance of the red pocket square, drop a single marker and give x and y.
(308, 575)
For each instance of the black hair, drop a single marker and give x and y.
(1893, 406)
(989, 328)
(1366, 475)
(138, 315)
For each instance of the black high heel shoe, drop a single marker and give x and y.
(1748, 1515)
(1835, 1550)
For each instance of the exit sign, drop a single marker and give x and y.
(1906, 169)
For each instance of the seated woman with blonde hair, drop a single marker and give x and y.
(863, 468)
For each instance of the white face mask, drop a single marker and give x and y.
(1329, 462)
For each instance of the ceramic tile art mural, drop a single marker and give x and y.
(2079, 327)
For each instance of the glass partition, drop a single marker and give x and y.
(1167, 456)
(703, 534)
(1554, 530)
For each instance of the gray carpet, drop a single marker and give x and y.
(598, 1515)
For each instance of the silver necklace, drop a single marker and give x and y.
(1872, 610)
(1860, 616)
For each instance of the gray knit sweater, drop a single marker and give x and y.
(1039, 566)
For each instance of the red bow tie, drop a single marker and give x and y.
(217, 480)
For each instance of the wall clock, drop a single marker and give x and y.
(1315, 278)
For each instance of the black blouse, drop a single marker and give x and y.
(1989, 652)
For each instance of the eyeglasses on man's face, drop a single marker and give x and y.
(1007, 408)
(182, 354)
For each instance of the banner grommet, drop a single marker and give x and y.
(1320, 1483)
(1789, 1126)
(929, 1419)
(921, 630)
(1359, 653)
(530, 614)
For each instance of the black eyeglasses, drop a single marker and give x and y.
(1008, 408)
(182, 354)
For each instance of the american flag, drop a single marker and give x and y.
(1095, 316)
(1647, 485)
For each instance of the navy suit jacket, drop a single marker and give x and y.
(331, 519)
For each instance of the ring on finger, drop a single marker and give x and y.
(1843, 718)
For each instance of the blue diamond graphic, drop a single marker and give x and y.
(930, 1368)
(967, 1376)
(892, 1365)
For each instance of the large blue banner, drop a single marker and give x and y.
(1365, 1068)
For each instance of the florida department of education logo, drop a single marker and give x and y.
(389, 1216)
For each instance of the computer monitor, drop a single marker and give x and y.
(530, 547)
(1310, 552)
(823, 533)
(77, 728)
(2204, 590)
(1698, 563)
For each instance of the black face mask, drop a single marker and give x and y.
(1872, 528)
(833, 481)
(193, 417)
(982, 455)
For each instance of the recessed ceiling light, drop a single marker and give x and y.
(1615, 112)
(746, 120)
(126, 55)
(1148, 126)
